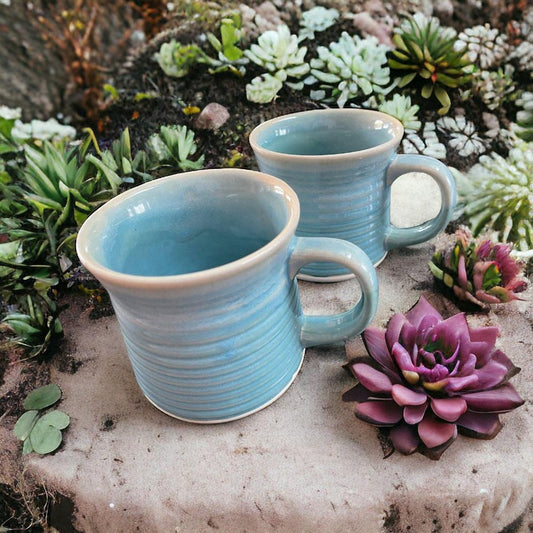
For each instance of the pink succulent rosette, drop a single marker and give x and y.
(431, 378)
(479, 272)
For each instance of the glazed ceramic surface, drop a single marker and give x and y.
(342, 163)
(201, 270)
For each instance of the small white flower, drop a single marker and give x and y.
(463, 135)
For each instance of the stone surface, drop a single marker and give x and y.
(304, 463)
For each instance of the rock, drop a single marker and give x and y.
(367, 25)
(256, 21)
(443, 9)
(213, 116)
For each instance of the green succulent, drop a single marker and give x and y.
(496, 196)
(524, 116)
(407, 113)
(426, 51)
(36, 324)
(277, 51)
(349, 68)
(120, 160)
(177, 59)
(41, 432)
(230, 56)
(171, 150)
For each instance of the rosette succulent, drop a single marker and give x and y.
(349, 68)
(430, 378)
(279, 54)
(479, 271)
(430, 52)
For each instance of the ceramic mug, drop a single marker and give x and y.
(342, 163)
(200, 268)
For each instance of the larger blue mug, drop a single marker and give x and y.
(201, 269)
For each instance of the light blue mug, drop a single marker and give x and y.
(201, 269)
(342, 163)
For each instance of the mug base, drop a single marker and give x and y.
(334, 279)
(236, 417)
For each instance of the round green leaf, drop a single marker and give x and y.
(24, 424)
(57, 419)
(42, 397)
(44, 437)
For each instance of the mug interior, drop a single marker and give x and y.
(190, 224)
(327, 132)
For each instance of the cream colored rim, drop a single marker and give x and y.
(106, 275)
(397, 126)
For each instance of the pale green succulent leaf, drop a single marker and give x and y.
(42, 397)
(25, 424)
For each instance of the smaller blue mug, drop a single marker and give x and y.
(201, 268)
(342, 163)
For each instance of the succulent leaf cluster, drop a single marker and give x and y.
(479, 272)
(173, 148)
(429, 378)
(427, 52)
(486, 46)
(230, 56)
(494, 87)
(40, 432)
(463, 136)
(524, 116)
(278, 52)
(426, 142)
(177, 59)
(404, 110)
(349, 68)
(317, 19)
(496, 196)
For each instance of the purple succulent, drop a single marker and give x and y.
(481, 273)
(430, 378)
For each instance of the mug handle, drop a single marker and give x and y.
(317, 330)
(403, 163)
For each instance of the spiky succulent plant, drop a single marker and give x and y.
(486, 46)
(349, 68)
(428, 379)
(172, 149)
(495, 196)
(277, 51)
(480, 272)
(426, 51)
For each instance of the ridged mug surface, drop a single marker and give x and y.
(341, 163)
(214, 330)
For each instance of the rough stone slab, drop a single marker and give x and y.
(303, 464)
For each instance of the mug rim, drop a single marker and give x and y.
(190, 279)
(392, 143)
